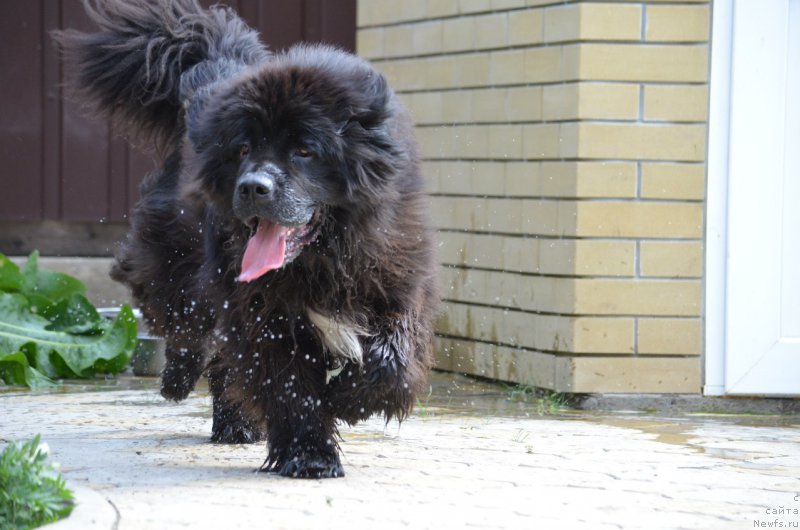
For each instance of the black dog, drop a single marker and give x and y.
(284, 246)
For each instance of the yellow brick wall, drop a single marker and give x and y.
(564, 143)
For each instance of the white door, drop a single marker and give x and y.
(753, 239)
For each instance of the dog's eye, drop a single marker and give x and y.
(302, 152)
(244, 150)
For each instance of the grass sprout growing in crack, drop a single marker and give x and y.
(543, 402)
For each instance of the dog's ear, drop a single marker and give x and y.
(200, 87)
(371, 109)
(369, 106)
(375, 137)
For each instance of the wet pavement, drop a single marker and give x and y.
(473, 455)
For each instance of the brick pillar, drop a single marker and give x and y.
(565, 147)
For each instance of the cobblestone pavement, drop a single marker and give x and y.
(469, 457)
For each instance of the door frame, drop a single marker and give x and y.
(716, 246)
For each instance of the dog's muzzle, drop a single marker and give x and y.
(264, 194)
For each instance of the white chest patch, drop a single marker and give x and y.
(337, 337)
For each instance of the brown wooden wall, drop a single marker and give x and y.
(57, 164)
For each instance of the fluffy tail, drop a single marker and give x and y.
(151, 56)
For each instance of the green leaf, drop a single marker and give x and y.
(12, 368)
(75, 314)
(44, 363)
(61, 354)
(51, 285)
(11, 278)
(15, 370)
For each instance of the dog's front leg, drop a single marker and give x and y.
(396, 360)
(301, 437)
(235, 420)
(184, 364)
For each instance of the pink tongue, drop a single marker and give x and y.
(265, 251)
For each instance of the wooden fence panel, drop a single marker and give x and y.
(57, 164)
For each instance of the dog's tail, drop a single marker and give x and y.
(151, 56)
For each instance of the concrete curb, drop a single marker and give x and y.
(92, 512)
(687, 404)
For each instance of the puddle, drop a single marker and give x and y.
(451, 395)
(672, 432)
(732, 437)
(744, 441)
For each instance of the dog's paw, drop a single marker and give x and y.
(177, 380)
(312, 466)
(238, 432)
(294, 463)
(175, 391)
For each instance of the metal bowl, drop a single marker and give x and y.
(148, 358)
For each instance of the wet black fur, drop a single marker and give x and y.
(201, 85)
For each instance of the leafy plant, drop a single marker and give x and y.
(49, 330)
(32, 492)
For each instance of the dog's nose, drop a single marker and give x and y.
(255, 187)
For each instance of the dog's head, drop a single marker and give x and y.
(279, 147)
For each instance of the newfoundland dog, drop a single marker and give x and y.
(283, 248)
